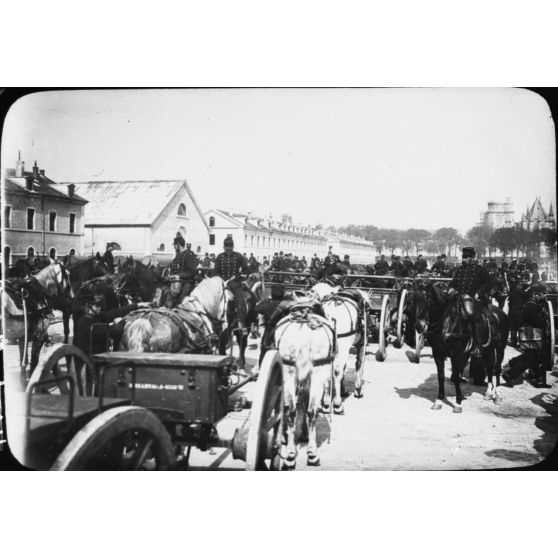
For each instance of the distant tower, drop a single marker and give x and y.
(20, 166)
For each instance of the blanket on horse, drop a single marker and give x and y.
(193, 323)
(15, 289)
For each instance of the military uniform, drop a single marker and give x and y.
(421, 265)
(381, 267)
(397, 267)
(229, 266)
(534, 359)
(185, 265)
(471, 280)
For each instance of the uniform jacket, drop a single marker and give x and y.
(533, 315)
(184, 264)
(421, 266)
(471, 279)
(381, 267)
(230, 265)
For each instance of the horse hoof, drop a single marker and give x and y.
(358, 393)
(324, 409)
(488, 397)
(397, 344)
(338, 409)
(380, 356)
(436, 407)
(498, 400)
(313, 460)
(457, 409)
(288, 466)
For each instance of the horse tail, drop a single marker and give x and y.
(137, 334)
(303, 362)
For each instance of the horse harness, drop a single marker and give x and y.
(302, 314)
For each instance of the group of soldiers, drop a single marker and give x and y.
(471, 279)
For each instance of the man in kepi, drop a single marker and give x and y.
(230, 265)
(184, 265)
(474, 282)
(532, 341)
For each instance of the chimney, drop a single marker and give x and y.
(42, 173)
(71, 190)
(20, 167)
(29, 183)
(35, 171)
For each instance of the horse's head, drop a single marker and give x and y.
(417, 309)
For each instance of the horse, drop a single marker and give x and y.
(140, 282)
(190, 327)
(251, 299)
(306, 344)
(42, 293)
(343, 310)
(444, 320)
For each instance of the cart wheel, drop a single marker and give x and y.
(383, 330)
(359, 374)
(419, 344)
(123, 438)
(263, 448)
(398, 343)
(552, 335)
(65, 360)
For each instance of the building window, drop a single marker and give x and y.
(161, 247)
(52, 221)
(212, 240)
(182, 210)
(30, 219)
(252, 240)
(212, 221)
(72, 252)
(229, 236)
(30, 251)
(72, 222)
(7, 256)
(52, 253)
(8, 216)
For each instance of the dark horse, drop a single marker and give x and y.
(444, 320)
(80, 272)
(252, 317)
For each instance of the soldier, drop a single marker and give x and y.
(397, 267)
(492, 266)
(516, 301)
(253, 264)
(229, 265)
(267, 308)
(381, 267)
(206, 262)
(472, 280)
(94, 314)
(532, 340)
(408, 266)
(184, 265)
(421, 265)
(439, 266)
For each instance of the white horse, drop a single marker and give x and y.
(343, 312)
(305, 342)
(189, 325)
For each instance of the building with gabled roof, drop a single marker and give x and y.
(39, 216)
(142, 217)
(536, 217)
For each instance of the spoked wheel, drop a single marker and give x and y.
(383, 329)
(398, 343)
(119, 439)
(359, 372)
(552, 335)
(265, 435)
(65, 360)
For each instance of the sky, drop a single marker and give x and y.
(398, 158)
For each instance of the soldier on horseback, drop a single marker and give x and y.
(229, 265)
(184, 265)
(473, 282)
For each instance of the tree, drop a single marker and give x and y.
(505, 239)
(447, 238)
(479, 236)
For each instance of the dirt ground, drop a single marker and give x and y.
(393, 428)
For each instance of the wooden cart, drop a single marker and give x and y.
(125, 410)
